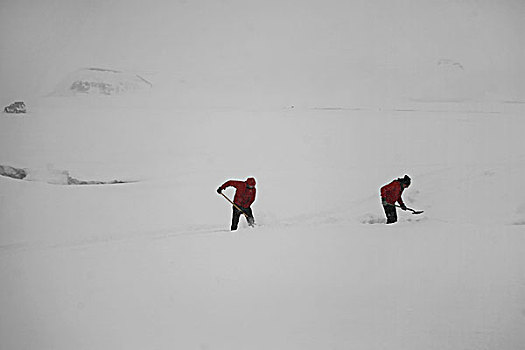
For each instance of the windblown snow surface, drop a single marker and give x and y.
(152, 265)
(323, 102)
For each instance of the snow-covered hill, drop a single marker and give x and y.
(152, 264)
(100, 81)
(321, 102)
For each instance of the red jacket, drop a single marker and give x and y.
(392, 192)
(245, 191)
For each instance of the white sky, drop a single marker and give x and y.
(306, 49)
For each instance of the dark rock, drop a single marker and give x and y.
(16, 107)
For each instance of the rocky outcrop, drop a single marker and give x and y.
(98, 81)
(14, 173)
(16, 107)
(51, 176)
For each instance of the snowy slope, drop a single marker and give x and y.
(323, 102)
(151, 264)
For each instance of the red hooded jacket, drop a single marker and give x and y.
(245, 191)
(392, 192)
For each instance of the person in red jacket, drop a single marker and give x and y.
(244, 197)
(390, 194)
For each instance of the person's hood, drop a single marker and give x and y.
(405, 180)
(250, 182)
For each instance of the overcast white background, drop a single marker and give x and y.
(323, 102)
(285, 51)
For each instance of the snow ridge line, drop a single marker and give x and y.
(167, 233)
(96, 241)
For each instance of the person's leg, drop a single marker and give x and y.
(235, 218)
(250, 218)
(391, 214)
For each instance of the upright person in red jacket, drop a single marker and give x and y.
(390, 194)
(244, 197)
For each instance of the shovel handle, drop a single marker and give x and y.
(235, 205)
(412, 210)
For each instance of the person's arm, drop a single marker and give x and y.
(400, 200)
(233, 183)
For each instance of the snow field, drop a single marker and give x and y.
(152, 264)
(323, 103)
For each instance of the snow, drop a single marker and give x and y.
(151, 263)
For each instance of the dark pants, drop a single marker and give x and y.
(237, 214)
(391, 214)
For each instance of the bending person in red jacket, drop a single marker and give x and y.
(390, 194)
(244, 197)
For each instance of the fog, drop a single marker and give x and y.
(112, 234)
(272, 52)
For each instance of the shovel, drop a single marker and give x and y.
(412, 210)
(235, 205)
(251, 223)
